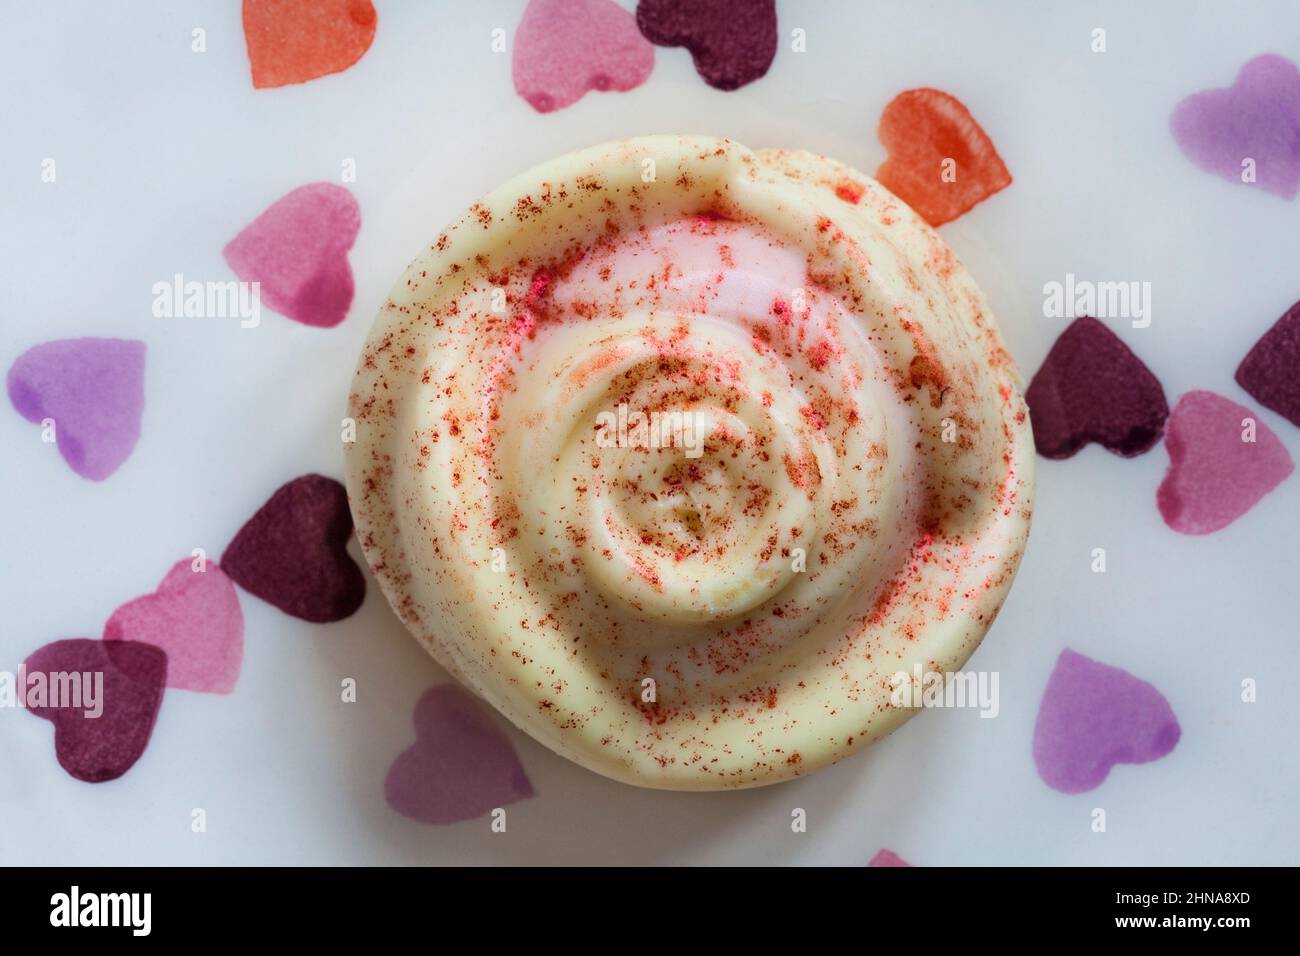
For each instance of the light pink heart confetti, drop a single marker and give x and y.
(1094, 716)
(298, 251)
(1222, 461)
(461, 766)
(195, 617)
(888, 858)
(563, 48)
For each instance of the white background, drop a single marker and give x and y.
(164, 154)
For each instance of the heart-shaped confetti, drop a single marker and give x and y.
(1270, 372)
(293, 41)
(563, 48)
(941, 162)
(103, 699)
(297, 250)
(293, 552)
(194, 616)
(732, 42)
(93, 390)
(461, 766)
(1092, 388)
(1222, 461)
(888, 858)
(1249, 131)
(1094, 716)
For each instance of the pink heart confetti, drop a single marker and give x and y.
(1222, 461)
(93, 389)
(1270, 372)
(1094, 716)
(1092, 388)
(194, 616)
(130, 677)
(732, 42)
(888, 858)
(461, 766)
(1256, 120)
(563, 48)
(293, 552)
(298, 251)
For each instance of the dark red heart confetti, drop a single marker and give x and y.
(293, 552)
(1270, 372)
(1092, 388)
(732, 42)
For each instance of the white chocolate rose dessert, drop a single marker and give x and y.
(677, 453)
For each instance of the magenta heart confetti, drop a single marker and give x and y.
(130, 678)
(888, 858)
(1256, 120)
(732, 42)
(461, 766)
(1270, 372)
(293, 552)
(563, 48)
(1222, 461)
(298, 251)
(194, 616)
(1094, 716)
(1092, 388)
(93, 389)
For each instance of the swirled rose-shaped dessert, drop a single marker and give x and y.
(677, 453)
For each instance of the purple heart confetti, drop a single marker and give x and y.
(293, 552)
(1256, 121)
(130, 678)
(194, 617)
(1222, 461)
(461, 766)
(1094, 716)
(93, 390)
(1092, 388)
(1270, 372)
(297, 250)
(732, 42)
(564, 48)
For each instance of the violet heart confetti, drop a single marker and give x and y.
(93, 391)
(888, 858)
(1222, 461)
(194, 617)
(1270, 372)
(293, 552)
(1252, 126)
(126, 678)
(1092, 388)
(564, 48)
(297, 250)
(732, 42)
(461, 765)
(1094, 716)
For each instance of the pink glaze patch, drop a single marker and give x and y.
(461, 766)
(563, 48)
(1092, 388)
(194, 616)
(298, 251)
(888, 858)
(1254, 121)
(1222, 461)
(1094, 716)
(1270, 372)
(732, 42)
(93, 390)
(293, 552)
(131, 678)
